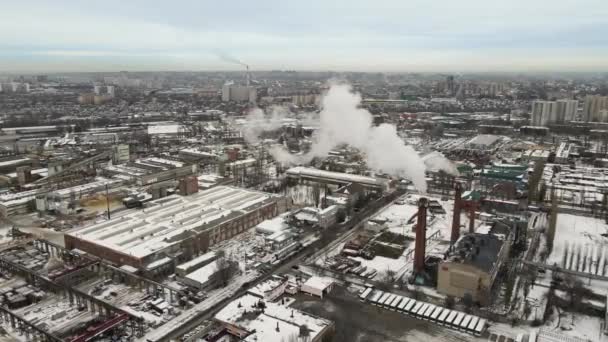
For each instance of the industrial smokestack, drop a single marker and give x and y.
(457, 209)
(472, 207)
(420, 251)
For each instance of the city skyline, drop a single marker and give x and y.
(465, 36)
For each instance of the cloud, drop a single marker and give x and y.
(317, 34)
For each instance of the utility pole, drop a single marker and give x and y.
(107, 201)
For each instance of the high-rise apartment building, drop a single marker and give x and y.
(566, 110)
(543, 113)
(592, 107)
(550, 112)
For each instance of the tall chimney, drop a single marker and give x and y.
(457, 208)
(420, 251)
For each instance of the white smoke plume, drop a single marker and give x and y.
(343, 121)
(230, 59)
(258, 122)
(436, 161)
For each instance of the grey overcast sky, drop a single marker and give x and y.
(379, 35)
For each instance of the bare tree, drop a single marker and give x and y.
(467, 300)
(390, 276)
(449, 302)
(575, 290)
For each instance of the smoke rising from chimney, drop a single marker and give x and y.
(230, 59)
(343, 121)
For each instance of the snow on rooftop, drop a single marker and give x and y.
(272, 226)
(301, 171)
(203, 274)
(244, 313)
(78, 189)
(164, 161)
(143, 232)
(41, 172)
(268, 285)
(164, 129)
(320, 283)
(197, 261)
(198, 152)
(13, 162)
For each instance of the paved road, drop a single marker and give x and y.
(329, 240)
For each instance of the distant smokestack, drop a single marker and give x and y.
(420, 251)
(457, 209)
(248, 75)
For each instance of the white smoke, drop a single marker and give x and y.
(258, 122)
(343, 121)
(230, 59)
(436, 161)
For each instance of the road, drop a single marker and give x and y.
(334, 235)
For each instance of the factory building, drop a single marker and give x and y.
(194, 154)
(484, 142)
(328, 177)
(271, 289)
(472, 264)
(17, 203)
(176, 227)
(501, 174)
(251, 318)
(63, 200)
(194, 264)
(150, 170)
(239, 93)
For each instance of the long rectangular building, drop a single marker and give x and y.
(175, 226)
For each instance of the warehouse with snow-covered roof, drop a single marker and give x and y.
(250, 318)
(175, 226)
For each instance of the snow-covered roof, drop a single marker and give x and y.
(197, 261)
(300, 171)
(164, 129)
(166, 221)
(266, 286)
(320, 283)
(272, 226)
(203, 274)
(245, 313)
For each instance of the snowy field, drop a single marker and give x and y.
(440, 225)
(579, 244)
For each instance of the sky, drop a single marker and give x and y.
(340, 35)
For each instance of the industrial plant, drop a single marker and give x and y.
(292, 206)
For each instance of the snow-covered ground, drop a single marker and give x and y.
(440, 225)
(396, 217)
(579, 233)
(576, 325)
